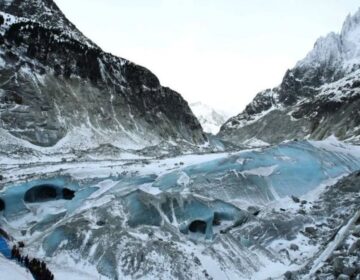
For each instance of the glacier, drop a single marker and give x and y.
(184, 211)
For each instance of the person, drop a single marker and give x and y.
(26, 261)
(13, 252)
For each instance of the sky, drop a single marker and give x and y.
(219, 52)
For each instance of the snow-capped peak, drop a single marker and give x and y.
(209, 118)
(351, 22)
(337, 49)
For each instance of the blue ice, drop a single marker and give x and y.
(299, 167)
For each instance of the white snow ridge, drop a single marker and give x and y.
(211, 120)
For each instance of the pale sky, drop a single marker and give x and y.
(219, 52)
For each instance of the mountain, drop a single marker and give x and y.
(319, 97)
(79, 201)
(210, 120)
(60, 91)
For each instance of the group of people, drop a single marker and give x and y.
(37, 268)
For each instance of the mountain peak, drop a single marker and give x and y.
(351, 22)
(210, 119)
(45, 12)
(337, 53)
(319, 97)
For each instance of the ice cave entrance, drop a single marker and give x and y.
(2, 205)
(47, 192)
(198, 226)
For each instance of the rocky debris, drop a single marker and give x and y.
(253, 210)
(295, 199)
(294, 247)
(339, 203)
(310, 230)
(289, 275)
(343, 277)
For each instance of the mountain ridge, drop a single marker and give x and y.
(318, 98)
(209, 118)
(54, 79)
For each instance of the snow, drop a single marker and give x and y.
(334, 145)
(337, 49)
(210, 119)
(13, 271)
(260, 171)
(242, 121)
(254, 142)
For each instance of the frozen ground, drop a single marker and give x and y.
(211, 216)
(11, 271)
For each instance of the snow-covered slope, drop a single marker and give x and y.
(319, 97)
(9, 270)
(210, 119)
(58, 88)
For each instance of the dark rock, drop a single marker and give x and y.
(295, 199)
(253, 210)
(338, 265)
(75, 70)
(197, 261)
(302, 211)
(355, 247)
(310, 230)
(288, 275)
(4, 234)
(294, 247)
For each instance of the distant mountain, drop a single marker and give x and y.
(319, 97)
(58, 89)
(210, 119)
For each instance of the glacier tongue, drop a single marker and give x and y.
(192, 213)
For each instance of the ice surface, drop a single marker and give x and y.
(201, 200)
(293, 168)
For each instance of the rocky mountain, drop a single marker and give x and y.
(319, 97)
(58, 89)
(210, 119)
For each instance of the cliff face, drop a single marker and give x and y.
(55, 84)
(319, 97)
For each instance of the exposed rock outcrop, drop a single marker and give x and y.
(55, 84)
(319, 97)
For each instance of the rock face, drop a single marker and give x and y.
(55, 84)
(319, 97)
